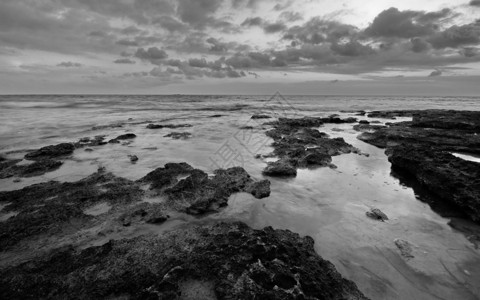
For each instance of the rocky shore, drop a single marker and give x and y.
(422, 150)
(50, 223)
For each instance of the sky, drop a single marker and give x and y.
(351, 47)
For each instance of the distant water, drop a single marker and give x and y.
(327, 204)
(29, 119)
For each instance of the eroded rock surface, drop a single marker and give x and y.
(52, 151)
(298, 144)
(39, 167)
(170, 126)
(420, 150)
(225, 260)
(197, 193)
(179, 135)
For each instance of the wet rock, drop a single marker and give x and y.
(259, 189)
(52, 151)
(36, 168)
(122, 137)
(144, 213)
(367, 127)
(228, 260)
(449, 178)
(49, 208)
(194, 192)
(405, 248)
(376, 214)
(170, 126)
(246, 127)
(280, 168)
(260, 116)
(88, 149)
(179, 135)
(420, 152)
(133, 158)
(215, 116)
(98, 140)
(299, 145)
(363, 122)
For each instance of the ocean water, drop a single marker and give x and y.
(327, 204)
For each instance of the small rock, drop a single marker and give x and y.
(88, 149)
(179, 135)
(259, 189)
(376, 214)
(363, 122)
(122, 137)
(246, 127)
(17, 180)
(133, 158)
(405, 248)
(216, 116)
(260, 116)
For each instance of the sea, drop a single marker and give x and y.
(327, 204)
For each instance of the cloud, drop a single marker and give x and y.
(290, 16)
(257, 21)
(274, 27)
(456, 36)
(124, 61)
(197, 12)
(152, 54)
(127, 43)
(170, 23)
(419, 45)
(69, 64)
(316, 31)
(405, 24)
(435, 73)
(475, 3)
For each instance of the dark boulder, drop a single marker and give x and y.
(52, 151)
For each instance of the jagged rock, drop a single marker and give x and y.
(420, 152)
(449, 178)
(98, 140)
(225, 260)
(36, 168)
(280, 168)
(259, 189)
(122, 137)
(170, 126)
(376, 214)
(51, 206)
(144, 212)
(52, 151)
(405, 248)
(179, 135)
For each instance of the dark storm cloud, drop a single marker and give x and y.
(69, 64)
(435, 73)
(274, 27)
(352, 48)
(475, 3)
(257, 21)
(317, 30)
(152, 54)
(457, 36)
(405, 24)
(197, 12)
(124, 61)
(419, 45)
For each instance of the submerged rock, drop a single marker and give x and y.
(260, 116)
(122, 137)
(52, 151)
(179, 135)
(133, 158)
(170, 126)
(376, 214)
(224, 260)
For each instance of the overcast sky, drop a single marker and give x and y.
(428, 47)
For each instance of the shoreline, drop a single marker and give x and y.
(289, 137)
